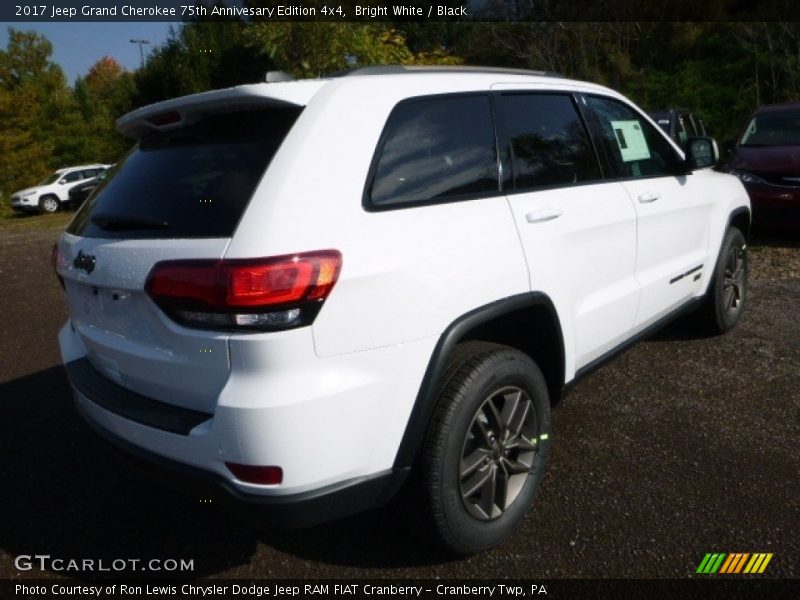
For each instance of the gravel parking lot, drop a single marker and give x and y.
(683, 445)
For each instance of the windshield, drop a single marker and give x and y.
(193, 182)
(49, 179)
(773, 129)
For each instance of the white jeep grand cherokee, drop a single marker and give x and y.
(300, 291)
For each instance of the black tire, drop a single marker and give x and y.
(49, 204)
(727, 291)
(482, 380)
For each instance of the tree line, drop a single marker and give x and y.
(721, 70)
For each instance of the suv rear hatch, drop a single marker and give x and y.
(178, 194)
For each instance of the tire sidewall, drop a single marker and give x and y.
(512, 369)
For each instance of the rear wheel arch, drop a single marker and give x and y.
(527, 322)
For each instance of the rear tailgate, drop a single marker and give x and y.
(127, 338)
(178, 195)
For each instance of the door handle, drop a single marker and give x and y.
(542, 215)
(646, 197)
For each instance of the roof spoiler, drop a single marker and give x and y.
(179, 112)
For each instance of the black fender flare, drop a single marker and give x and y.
(425, 402)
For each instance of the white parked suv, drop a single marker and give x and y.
(300, 291)
(53, 191)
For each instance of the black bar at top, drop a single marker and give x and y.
(369, 11)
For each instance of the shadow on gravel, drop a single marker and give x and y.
(392, 536)
(684, 328)
(66, 493)
(69, 495)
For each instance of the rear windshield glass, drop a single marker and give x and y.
(193, 182)
(773, 129)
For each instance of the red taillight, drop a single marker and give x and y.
(255, 474)
(266, 293)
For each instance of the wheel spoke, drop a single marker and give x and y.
(519, 419)
(493, 415)
(501, 487)
(514, 466)
(472, 462)
(727, 297)
(476, 481)
(489, 492)
(510, 407)
(522, 444)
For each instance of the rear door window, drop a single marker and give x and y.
(547, 140)
(193, 182)
(435, 149)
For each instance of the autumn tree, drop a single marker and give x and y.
(103, 95)
(35, 101)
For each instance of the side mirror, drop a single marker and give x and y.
(702, 152)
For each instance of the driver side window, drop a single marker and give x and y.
(634, 148)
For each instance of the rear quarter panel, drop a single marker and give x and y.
(407, 273)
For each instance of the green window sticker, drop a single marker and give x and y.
(630, 139)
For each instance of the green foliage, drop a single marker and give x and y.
(314, 49)
(45, 124)
(102, 96)
(722, 71)
(200, 56)
(33, 94)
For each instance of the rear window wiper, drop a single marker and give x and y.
(125, 222)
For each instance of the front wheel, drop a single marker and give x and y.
(49, 204)
(727, 291)
(487, 446)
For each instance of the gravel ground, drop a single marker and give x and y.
(683, 445)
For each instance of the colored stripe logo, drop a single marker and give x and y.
(732, 563)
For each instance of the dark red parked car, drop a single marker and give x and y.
(767, 161)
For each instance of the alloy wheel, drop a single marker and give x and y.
(498, 453)
(733, 282)
(50, 205)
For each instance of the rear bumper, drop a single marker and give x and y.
(281, 512)
(333, 425)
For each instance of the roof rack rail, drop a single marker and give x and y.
(400, 69)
